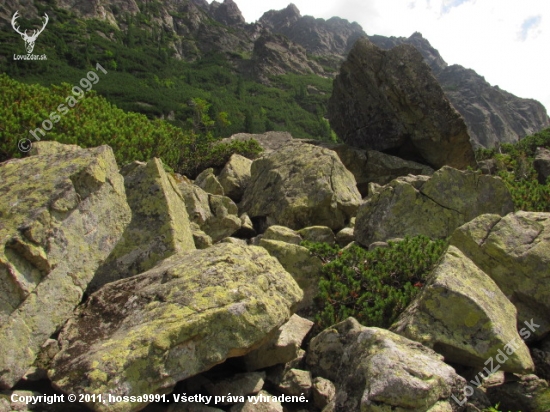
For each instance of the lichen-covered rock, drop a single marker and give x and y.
(528, 393)
(196, 200)
(298, 261)
(301, 185)
(345, 236)
(283, 347)
(241, 384)
(269, 141)
(376, 370)
(159, 227)
(296, 382)
(282, 233)
(224, 220)
(318, 234)
(235, 176)
(247, 230)
(434, 207)
(207, 181)
(143, 334)
(462, 314)
(390, 100)
(216, 215)
(324, 392)
(62, 213)
(514, 251)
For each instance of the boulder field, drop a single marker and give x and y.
(134, 281)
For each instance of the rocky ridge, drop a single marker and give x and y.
(284, 41)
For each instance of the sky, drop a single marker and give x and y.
(506, 41)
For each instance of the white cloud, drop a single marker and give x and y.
(529, 26)
(506, 41)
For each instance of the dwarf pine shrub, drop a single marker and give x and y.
(372, 286)
(514, 164)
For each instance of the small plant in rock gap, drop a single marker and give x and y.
(372, 286)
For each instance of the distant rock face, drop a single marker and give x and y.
(321, 37)
(275, 55)
(191, 312)
(61, 214)
(301, 185)
(390, 101)
(228, 13)
(493, 116)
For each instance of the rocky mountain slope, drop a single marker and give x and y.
(307, 45)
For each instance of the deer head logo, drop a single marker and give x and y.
(29, 40)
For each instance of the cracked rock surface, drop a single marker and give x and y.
(515, 252)
(433, 207)
(62, 212)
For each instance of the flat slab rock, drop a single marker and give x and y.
(193, 311)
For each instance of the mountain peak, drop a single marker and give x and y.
(291, 9)
(228, 13)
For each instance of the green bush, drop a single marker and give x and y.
(514, 164)
(372, 286)
(93, 122)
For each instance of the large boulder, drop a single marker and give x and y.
(514, 251)
(62, 212)
(283, 347)
(143, 334)
(159, 227)
(207, 181)
(377, 370)
(235, 176)
(433, 207)
(390, 101)
(301, 185)
(301, 264)
(462, 314)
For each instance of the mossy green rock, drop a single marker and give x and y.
(216, 215)
(433, 207)
(298, 261)
(301, 185)
(62, 213)
(463, 315)
(514, 251)
(282, 233)
(377, 370)
(235, 176)
(207, 181)
(193, 311)
(159, 228)
(321, 234)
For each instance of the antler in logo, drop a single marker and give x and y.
(29, 40)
